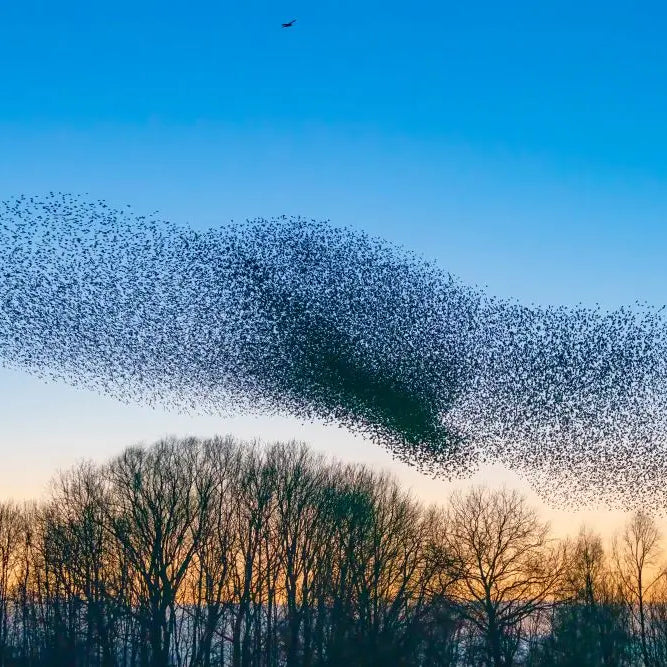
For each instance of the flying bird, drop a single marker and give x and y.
(289, 24)
(297, 317)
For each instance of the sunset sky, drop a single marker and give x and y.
(521, 147)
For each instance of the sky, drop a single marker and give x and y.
(521, 147)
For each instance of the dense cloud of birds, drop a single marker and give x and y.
(298, 317)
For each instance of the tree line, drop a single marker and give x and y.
(225, 553)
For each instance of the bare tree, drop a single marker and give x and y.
(11, 532)
(82, 557)
(586, 567)
(636, 552)
(210, 581)
(298, 480)
(254, 494)
(222, 553)
(590, 624)
(508, 567)
(156, 511)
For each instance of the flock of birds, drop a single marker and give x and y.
(298, 317)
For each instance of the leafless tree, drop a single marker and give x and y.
(157, 506)
(219, 553)
(11, 529)
(636, 552)
(507, 565)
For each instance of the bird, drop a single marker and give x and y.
(294, 316)
(289, 24)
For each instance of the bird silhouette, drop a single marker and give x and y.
(289, 24)
(295, 316)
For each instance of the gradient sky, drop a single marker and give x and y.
(522, 147)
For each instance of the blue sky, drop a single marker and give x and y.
(523, 147)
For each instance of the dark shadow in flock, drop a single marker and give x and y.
(298, 317)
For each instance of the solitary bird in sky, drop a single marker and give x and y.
(289, 25)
